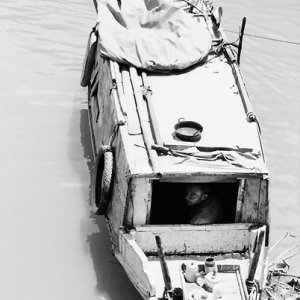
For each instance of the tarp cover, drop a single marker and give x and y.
(151, 34)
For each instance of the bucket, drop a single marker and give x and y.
(209, 265)
(188, 131)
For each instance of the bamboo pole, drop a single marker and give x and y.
(144, 121)
(164, 268)
(153, 121)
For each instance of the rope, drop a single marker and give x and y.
(115, 131)
(267, 38)
(193, 6)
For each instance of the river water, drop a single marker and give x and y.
(52, 247)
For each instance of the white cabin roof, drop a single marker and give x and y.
(208, 95)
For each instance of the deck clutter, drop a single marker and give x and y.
(168, 109)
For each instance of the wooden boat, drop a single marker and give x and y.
(153, 134)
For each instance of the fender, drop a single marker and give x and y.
(102, 180)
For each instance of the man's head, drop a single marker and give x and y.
(196, 193)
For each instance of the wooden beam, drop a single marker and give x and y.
(144, 120)
(218, 238)
(240, 200)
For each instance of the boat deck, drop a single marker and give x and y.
(230, 286)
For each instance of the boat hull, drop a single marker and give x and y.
(133, 113)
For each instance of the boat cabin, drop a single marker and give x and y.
(149, 181)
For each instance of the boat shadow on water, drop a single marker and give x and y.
(112, 281)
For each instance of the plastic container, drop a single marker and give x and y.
(191, 272)
(209, 265)
(211, 280)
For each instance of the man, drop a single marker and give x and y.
(204, 207)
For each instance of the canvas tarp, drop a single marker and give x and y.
(151, 34)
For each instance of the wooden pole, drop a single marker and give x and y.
(153, 121)
(164, 267)
(255, 260)
(143, 119)
(241, 41)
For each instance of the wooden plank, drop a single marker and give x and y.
(141, 199)
(263, 204)
(138, 204)
(188, 239)
(172, 167)
(249, 210)
(240, 200)
(255, 207)
(200, 178)
(115, 214)
(131, 147)
(136, 264)
(132, 116)
(187, 227)
(107, 114)
(121, 97)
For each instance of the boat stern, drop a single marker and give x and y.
(185, 249)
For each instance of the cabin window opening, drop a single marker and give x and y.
(178, 203)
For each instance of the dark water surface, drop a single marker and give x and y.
(51, 245)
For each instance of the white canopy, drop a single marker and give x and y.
(151, 34)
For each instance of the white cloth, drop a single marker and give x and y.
(151, 34)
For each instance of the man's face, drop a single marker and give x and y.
(194, 195)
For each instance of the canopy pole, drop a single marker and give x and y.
(146, 130)
(153, 121)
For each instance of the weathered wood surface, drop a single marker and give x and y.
(262, 266)
(239, 201)
(209, 95)
(179, 169)
(144, 118)
(133, 121)
(189, 239)
(138, 202)
(117, 78)
(136, 265)
(105, 113)
(119, 94)
(146, 275)
(230, 285)
(255, 202)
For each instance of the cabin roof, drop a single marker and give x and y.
(208, 95)
(230, 145)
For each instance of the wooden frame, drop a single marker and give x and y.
(218, 238)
